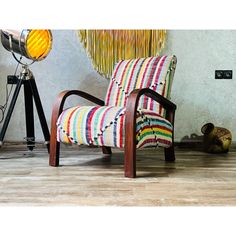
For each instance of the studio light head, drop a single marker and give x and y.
(32, 44)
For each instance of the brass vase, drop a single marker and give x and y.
(216, 139)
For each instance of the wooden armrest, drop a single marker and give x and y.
(61, 98)
(132, 105)
(137, 93)
(130, 126)
(56, 111)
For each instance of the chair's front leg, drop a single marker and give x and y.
(130, 157)
(54, 147)
(130, 138)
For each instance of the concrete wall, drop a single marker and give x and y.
(199, 97)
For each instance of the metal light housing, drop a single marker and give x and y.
(32, 44)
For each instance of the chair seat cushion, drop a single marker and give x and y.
(105, 126)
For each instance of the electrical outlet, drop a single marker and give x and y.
(218, 74)
(223, 74)
(12, 79)
(228, 74)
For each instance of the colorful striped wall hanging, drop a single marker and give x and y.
(107, 47)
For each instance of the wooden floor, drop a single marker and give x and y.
(86, 177)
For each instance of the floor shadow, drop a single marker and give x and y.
(192, 141)
(149, 163)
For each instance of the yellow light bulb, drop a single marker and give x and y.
(38, 44)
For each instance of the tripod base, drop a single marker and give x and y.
(30, 93)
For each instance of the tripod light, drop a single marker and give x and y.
(34, 45)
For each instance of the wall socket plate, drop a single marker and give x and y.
(223, 74)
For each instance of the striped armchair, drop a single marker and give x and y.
(136, 113)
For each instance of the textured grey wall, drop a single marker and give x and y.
(200, 98)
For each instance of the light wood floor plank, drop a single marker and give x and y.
(86, 177)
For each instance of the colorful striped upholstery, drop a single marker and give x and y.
(104, 126)
(152, 72)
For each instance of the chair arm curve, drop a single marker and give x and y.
(61, 98)
(137, 93)
(130, 123)
(132, 105)
(56, 111)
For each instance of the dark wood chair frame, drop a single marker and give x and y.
(130, 125)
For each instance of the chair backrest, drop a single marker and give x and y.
(155, 73)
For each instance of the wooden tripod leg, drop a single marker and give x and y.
(29, 116)
(40, 111)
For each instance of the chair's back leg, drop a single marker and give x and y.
(54, 145)
(106, 150)
(170, 154)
